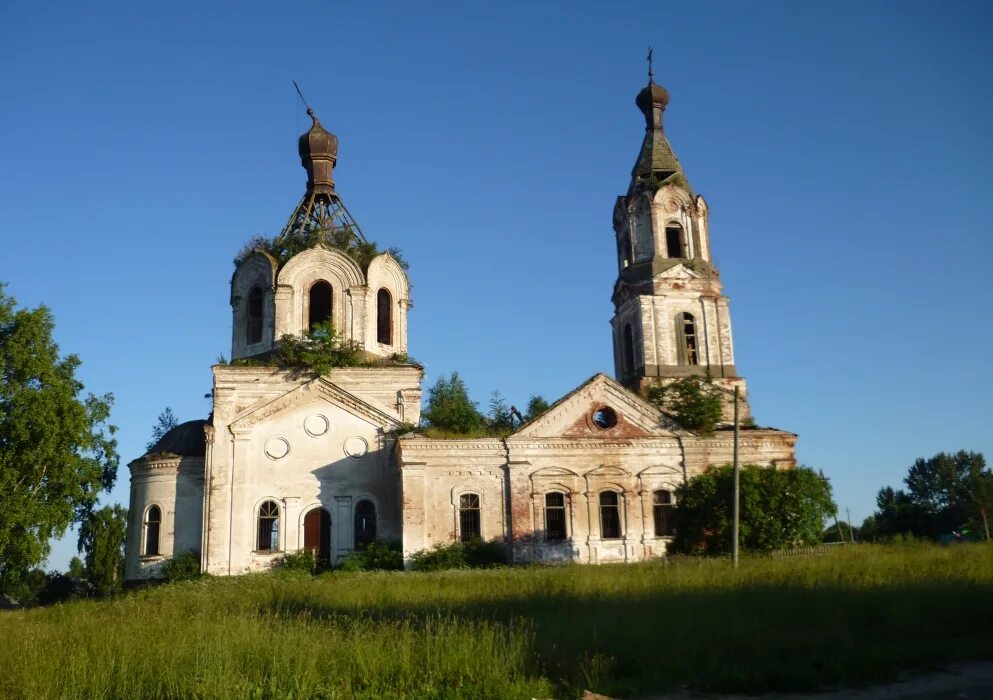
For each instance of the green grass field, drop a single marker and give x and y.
(854, 616)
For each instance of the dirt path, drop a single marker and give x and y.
(969, 681)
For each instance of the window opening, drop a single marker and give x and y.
(253, 328)
(268, 527)
(384, 317)
(624, 243)
(365, 524)
(686, 327)
(321, 303)
(469, 517)
(153, 519)
(674, 242)
(554, 516)
(610, 516)
(627, 351)
(605, 418)
(662, 512)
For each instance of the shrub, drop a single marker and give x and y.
(182, 567)
(450, 408)
(297, 561)
(779, 508)
(475, 554)
(379, 555)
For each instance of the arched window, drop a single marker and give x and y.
(610, 515)
(469, 525)
(675, 241)
(153, 520)
(384, 317)
(365, 524)
(627, 351)
(662, 512)
(268, 527)
(686, 348)
(554, 516)
(253, 326)
(321, 303)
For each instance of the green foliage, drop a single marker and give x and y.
(166, 421)
(536, 406)
(182, 567)
(945, 493)
(101, 539)
(779, 508)
(449, 407)
(852, 616)
(379, 555)
(302, 560)
(57, 452)
(474, 554)
(500, 419)
(320, 349)
(282, 248)
(694, 401)
(76, 568)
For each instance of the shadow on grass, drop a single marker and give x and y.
(748, 639)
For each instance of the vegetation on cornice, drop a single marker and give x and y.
(677, 179)
(694, 402)
(319, 350)
(283, 247)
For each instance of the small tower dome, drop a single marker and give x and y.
(318, 154)
(652, 95)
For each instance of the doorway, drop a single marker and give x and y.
(317, 535)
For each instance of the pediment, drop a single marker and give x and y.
(574, 415)
(318, 389)
(679, 271)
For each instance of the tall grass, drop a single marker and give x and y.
(856, 615)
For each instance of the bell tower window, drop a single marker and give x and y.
(675, 241)
(686, 334)
(384, 317)
(627, 351)
(253, 327)
(321, 303)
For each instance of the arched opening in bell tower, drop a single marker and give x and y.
(675, 241)
(253, 326)
(384, 317)
(321, 303)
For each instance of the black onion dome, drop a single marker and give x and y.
(186, 440)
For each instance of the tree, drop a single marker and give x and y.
(694, 401)
(536, 406)
(101, 538)
(500, 416)
(76, 568)
(57, 452)
(779, 508)
(449, 406)
(944, 493)
(166, 422)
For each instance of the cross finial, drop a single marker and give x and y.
(310, 112)
(651, 73)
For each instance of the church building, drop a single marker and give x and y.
(293, 460)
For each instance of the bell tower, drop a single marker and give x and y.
(670, 318)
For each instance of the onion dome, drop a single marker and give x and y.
(186, 440)
(318, 154)
(652, 95)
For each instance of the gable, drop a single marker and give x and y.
(320, 390)
(600, 408)
(679, 271)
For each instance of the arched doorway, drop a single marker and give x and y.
(317, 535)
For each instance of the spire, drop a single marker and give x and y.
(321, 208)
(656, 160)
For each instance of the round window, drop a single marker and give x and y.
(605, 418)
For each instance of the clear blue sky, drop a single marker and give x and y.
(845, 150)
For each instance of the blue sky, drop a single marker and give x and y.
(844, 148)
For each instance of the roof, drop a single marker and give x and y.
(186, 440)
